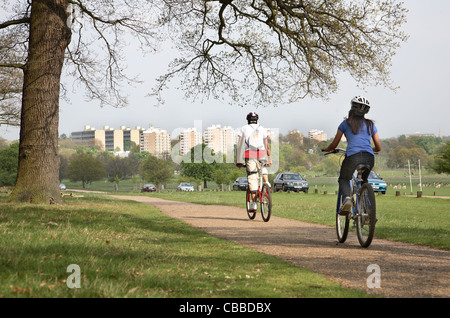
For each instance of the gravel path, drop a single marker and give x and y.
(406, 270)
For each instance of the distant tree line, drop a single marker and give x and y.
(88, 163)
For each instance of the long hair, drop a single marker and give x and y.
(356, 122)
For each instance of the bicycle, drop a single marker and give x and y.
(263, 197)
(363, 211)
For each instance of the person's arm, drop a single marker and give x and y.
(238, 154)
(376, 141)
(269, 153)
(335, 142)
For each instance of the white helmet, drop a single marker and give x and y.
(360, 105)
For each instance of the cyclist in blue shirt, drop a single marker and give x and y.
(359, 132)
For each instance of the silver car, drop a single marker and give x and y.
(185, 187)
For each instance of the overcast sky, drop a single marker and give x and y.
(421, 69)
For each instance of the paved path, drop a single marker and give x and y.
(406, 270)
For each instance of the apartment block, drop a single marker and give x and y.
(189, 138)
(318, 135)
(131, 137)
(156, 141)
(220, 139)
(108, 138)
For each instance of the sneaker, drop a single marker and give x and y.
(253, 206)
(346, 206)
(267, 184)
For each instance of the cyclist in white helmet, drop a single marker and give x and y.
(257, 147)
(359, 132)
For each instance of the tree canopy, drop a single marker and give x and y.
(85, 168)
(442, 162)
(155, 170)
(240, 51)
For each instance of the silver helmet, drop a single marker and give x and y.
(360, 105)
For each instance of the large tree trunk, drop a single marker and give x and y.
(38, 172)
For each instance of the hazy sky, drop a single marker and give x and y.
(421, 69)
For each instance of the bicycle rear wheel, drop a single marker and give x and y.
(266, 203)
(365, 222)
(248, 201)
(342, 222)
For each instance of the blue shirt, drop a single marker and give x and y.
(360, 141)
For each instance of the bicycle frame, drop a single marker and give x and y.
(260, 180)
(264, 197)
(355, 185)
(363, 211)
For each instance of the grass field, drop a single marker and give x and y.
(127, 249)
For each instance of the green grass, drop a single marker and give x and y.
(423, 221)
(128, 249)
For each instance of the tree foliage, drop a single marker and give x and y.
(155, 170)
(198, 168)
(442, 160)
(281, 51)
(9, 157)
(85, 168)
(241, 51)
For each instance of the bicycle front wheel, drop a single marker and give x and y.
(342, 222)
(248, 203)
(266, 202)
(366, 219)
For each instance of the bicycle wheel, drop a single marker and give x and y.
(366, 219)
(266, 203)
(248, 200)
(342, 222)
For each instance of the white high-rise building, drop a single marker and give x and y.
(189, 138)
(156, 141)
(220, 139)
(108, 138)
(318, 135)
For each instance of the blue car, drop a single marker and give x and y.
(377, 183)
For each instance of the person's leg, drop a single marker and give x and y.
(265, 175)
(345, 175)
(252, 176)
(368, 159)
(347, 168)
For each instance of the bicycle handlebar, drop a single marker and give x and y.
(335, 151)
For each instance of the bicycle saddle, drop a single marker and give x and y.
(362, 167)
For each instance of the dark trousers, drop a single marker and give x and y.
(348, 168)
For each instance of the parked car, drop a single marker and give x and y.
(288, 181)
(185, 187)
(148, 188)
(62, 186)
(377, 183)
(241, 184)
